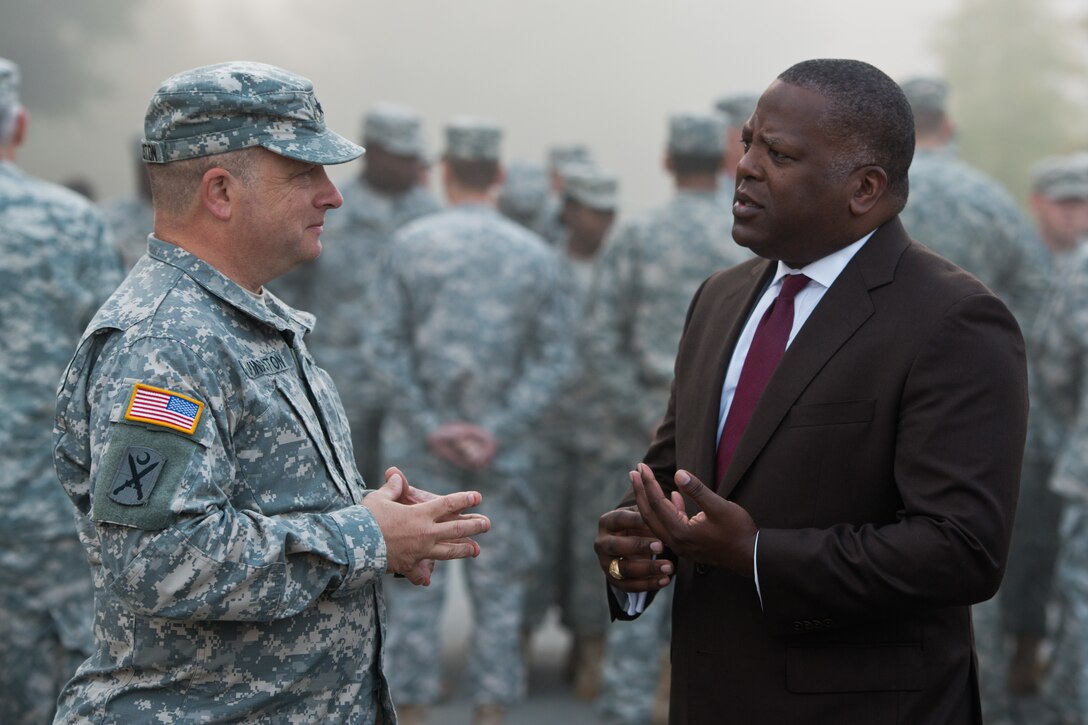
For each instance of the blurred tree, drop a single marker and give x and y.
(1015, 78)
(53, 41)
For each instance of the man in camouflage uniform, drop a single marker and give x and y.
(549, 222)
(566, 518)
(1059, 202)
(647, 275)
(130, 216)
(237, 559)
(381, 200)
(58, 265)
(971, 220)
(472, 334)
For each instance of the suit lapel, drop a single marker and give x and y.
(844, 308)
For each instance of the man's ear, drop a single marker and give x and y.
(22, 121)
(870, 183)
(218, 190)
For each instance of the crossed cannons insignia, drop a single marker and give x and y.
(136, 477)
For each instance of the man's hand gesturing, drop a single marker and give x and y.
(420, 527)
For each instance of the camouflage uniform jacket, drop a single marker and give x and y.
(58, 267)
(646, 277)
(333, 286)
(549, 222)
(131, 219)
(969, 219)
(209, 462)
(471, 326)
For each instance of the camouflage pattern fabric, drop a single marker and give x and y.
(208, 461)
(548, 222)
(469, 327)
(58, 266)
(131, 218)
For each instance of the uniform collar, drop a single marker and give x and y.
(271, 310)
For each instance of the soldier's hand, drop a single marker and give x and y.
(465, 445)
(420, 527)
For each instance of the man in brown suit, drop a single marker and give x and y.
(827, 552)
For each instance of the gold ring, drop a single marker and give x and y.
(614, 569)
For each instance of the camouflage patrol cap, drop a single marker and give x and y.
(395, 128)
(1061, 178)
(735, 108)
(473, 139)
(696, 134)
(592, 187)
(237, 105)
(565, 155)
(926, 95)
(524, 189)
(9, 83)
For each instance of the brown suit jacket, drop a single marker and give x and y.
(881, 467)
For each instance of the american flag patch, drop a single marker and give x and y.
(164, 407)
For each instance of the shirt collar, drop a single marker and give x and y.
(270, 310)
(826, 270)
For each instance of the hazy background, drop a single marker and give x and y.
(604, 72)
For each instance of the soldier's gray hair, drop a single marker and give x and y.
(174, 184)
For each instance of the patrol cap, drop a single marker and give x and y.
(230, 106)
(736, 108)
(395, 128)
(524, 190)
(696, 134)
(592, 187)
(473, 139)
(1061, 178)
(565, 155)
(926, 95)
(9, 83)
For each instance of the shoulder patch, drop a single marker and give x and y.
(135, 479)
(164, 407)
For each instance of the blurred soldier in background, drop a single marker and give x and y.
(549, 224)
(1059, 203)
(569, 501)
(130, 216)
(238, 559)
(524, 193)
(734, 110)
(968, 218)
(333, 287)
(472, 334)
(647, 275)
(57, 265)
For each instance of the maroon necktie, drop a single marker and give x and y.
(768, 344)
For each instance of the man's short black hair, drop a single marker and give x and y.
(867, 111)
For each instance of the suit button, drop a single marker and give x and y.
(701, 569)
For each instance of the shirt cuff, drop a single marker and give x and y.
(365, 546)
(755, 569)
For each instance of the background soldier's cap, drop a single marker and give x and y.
(926, 95)
(525, 188)
(592, 187)
(1061, 178)
(231, 106)
(562, 156)
(395, 128)
(9, 83)
(696, 134)
(736, 108)
(473, 139)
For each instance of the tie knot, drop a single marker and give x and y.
(791, 285)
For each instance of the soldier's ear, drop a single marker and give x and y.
(217, 192)
(22, 121)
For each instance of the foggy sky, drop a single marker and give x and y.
(604, 72)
